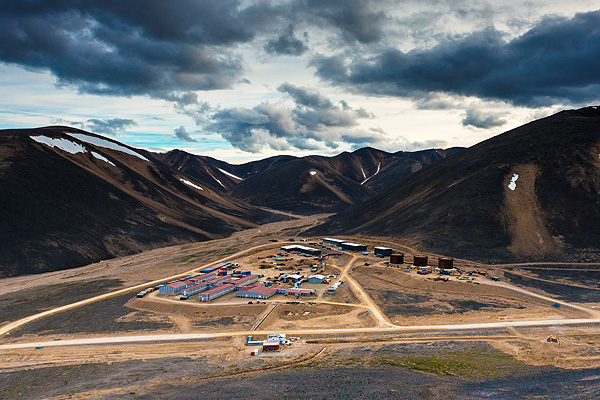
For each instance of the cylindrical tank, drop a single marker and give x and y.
(420, 261)
(397, 258)
(446, 262)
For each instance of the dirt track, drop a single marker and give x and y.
(329, 318)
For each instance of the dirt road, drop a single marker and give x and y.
(592, 312)
(216, 335)
(9, 327)
(384, 325)
(364, 298)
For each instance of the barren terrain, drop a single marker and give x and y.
(382, 322)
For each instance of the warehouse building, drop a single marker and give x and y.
(317, 278)
(256, 292)
(176, 287)
(292, 278)
(211, 269)
(382, 251)
(348, 246)
(245, 281)
(333, 242)
(217, 291)
(297, 292)
(200, 287)
(201, 284)
(203, 277)
(301, 249)
(219, 280)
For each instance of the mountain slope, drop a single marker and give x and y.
(70, 198)
(286, 182)
(466, 205)
(301, 185)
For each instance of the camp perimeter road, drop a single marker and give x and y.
(13, 325)
(384, 325)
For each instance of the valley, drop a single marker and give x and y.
(381, 312)
(126, 273)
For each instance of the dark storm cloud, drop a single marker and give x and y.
(109, 126)
(162, 48)
(558, 60)
(182, 134)
(287, 44)
(134, 47)
(314, 122)
(483, 120)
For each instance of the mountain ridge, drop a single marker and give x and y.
(463, 205)
(71, 197)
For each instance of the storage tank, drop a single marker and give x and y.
(446, 262)
(420, 261)
(397, 258)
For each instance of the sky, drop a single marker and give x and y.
(245, 80)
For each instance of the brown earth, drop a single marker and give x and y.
(530, 237)
(412, 301)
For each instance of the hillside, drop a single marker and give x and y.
(532, 193)
(70, 198)
(308, 184)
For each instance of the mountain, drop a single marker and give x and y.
(70, 197)
(308, 184)
(302, 185)
(532, 193)
(216, 172)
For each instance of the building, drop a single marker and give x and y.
(245, 281)
(301, 249)
(333, 288)
(333, 242)
(217, 291)
(270, 346)
(201, 287)
(382, 251)
(256, 292)
(203, 277)
(348, 246)
(280, 338)
(292, 277)
(176, 287)
(219, 280)
(211, 269)
(298, 292)
(317, 278)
